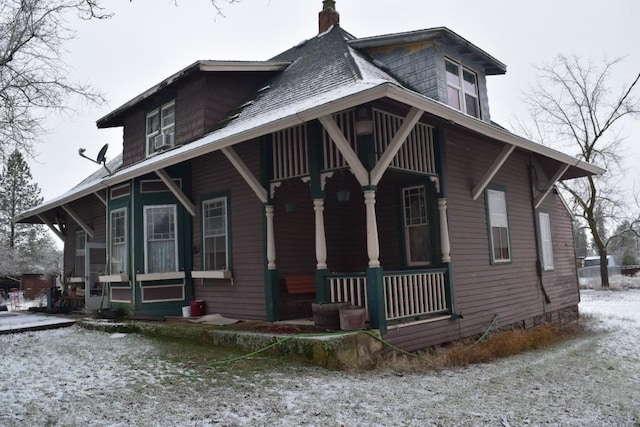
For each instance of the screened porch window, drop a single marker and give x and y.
(215, 234)
(118, 250)
(498, 225)
(546, 242)
(81, 242)
(416, 226)
(160, 235)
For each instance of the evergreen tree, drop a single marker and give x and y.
(26, 248)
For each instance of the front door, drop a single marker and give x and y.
(95, 292)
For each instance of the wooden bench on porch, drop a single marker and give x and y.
(301, 291)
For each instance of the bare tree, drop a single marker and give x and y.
(34, 79)
(33, 76)
(572, 105)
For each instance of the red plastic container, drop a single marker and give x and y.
(197, 308)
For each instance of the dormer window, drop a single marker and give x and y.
(161, 126)
(462, 88)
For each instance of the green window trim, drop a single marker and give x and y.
(160, 232)
(498, 228)
(119, 235)
(216, 209)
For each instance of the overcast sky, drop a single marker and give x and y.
(148, 40)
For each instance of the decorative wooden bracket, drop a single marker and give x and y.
(493, 170)
(184, 200)
(78, 221)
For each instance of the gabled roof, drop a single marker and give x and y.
(324, 75)
(491, 65)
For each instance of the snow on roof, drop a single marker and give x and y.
(323, 76)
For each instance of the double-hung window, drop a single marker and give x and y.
(161, 126)
(416, 226)
(81, 242)
(498, 226)
(215, 234)
(118, 248)
(546, 242)
(462, 88)
(161, 242)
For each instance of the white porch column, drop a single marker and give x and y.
(373, 245)
(321, 242)
(271, 240)
(445, 244)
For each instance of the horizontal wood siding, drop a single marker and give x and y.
(509, 291)
(561, 283)
(294, 229)
(345, 225)
(213, 174)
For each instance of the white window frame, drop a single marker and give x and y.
(163, 128)
(546, 241)
(125, 242)
(421, 221)
(460, 87)
(80, 236)
(498, 217)
(146, 237)
(205, 234)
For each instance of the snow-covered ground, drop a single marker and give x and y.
(75, 377)
(12, 321)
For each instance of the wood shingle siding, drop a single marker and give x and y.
(202, 101)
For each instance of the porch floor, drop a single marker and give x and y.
(298, 338)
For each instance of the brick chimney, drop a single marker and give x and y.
(329, 15)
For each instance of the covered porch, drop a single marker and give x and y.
(356, 200)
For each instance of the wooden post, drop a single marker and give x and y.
(373, 245)
(445, 244)
(321, 242)
(271, 241)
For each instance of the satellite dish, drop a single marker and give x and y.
(101, 155)
(101, 159)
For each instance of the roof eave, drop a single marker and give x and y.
(203, 146)
(492, 65)
(456, 117)
(209, 143)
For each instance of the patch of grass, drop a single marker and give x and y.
(201, 355)
(499, 344)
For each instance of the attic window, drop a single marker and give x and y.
(462, 88)
(161, 127)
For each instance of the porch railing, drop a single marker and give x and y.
(349, 288)
(412, 294)
(407, 294)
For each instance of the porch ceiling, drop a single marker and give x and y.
(324, 104)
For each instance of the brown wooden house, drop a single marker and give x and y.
(369, 165)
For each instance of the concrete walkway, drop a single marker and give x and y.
(12, 322)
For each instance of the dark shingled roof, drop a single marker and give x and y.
(318, 65)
